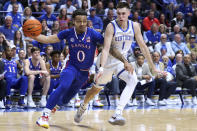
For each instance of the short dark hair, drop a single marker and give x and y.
(140, 54)
(123, 5)
(79, 12)
(34, 49)
(55, 52)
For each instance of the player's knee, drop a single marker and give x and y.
(31, 77)
(48, 78)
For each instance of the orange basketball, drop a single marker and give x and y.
(32, 28)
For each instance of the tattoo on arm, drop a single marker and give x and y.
(115, 53)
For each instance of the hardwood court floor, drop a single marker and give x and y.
(97, 120)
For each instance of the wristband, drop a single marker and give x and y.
(101, 69)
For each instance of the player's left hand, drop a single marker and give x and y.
(128, 67)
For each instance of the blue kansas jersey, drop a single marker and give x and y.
(81, 46)
(11, 68)
(55, 71)
(32, 67)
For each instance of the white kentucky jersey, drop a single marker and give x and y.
(121, 40)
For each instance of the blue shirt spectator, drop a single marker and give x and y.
(8, 6)
(178, 45)
(16, 17)
(186, 8)
(7, 29)
(49, 17)
(97, 22)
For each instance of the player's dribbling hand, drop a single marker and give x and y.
(128, 67)
(98, 75)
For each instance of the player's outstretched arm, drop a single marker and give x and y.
(143, 46)
(47, 39)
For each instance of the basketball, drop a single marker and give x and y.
(32, 28)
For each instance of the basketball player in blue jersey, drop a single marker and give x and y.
(54, 68)
(37, 73)
(119, 35)
(10, 66)
(82, 44)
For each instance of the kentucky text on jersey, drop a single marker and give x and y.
(123, 38)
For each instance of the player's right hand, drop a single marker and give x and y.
(128, 67)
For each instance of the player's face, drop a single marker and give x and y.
(122, 14)
(36, 55)
(80, 23)
(8, 53)
(56, 58)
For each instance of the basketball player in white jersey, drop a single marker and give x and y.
(119, 35)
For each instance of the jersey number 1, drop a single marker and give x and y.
(11, 69)
(123, 45)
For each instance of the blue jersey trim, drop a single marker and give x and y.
(121, 28)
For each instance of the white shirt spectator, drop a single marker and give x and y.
(71, 9)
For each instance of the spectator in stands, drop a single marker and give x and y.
(42, 6)
(149, 20)
(48, 50)
(138, 7)
(3, 42)
(54, 68)
(152, 37)
(7, 29)
(194, 18)
(160, 79)
(178, 20)
(153, 7)
(144, 79)
(133, 55)
(110, 6)
(99, 10)
(192, 31)
(192, 45)
(106, 21)
(18, 41)
(11, 68)
(21, 56)
(36, 71)
(3, 85)
(178, 45)
(169, 7)
(63, 20)
(35, 8)
(163, 43)
(162, 29)
(163, 20)
(69, 7)
(53, 3)
(8, 6)
(29, 54)
(49, 17)
(45, 30)
(56, 26)
(14, 54)
(85, 6)
(176, 30)
(27, 14)
(136, 18)
(193, 58)
(97, 22)
(16, 17)
(79, 2)
(186, 9)
(187, 77)
(178, 59)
